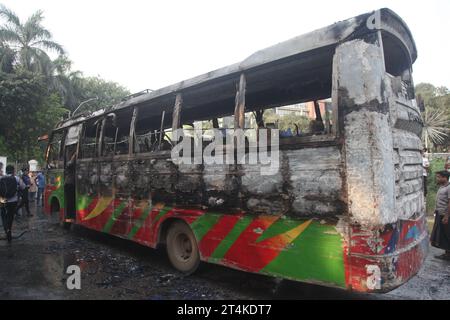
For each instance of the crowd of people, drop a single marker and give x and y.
(17, 191)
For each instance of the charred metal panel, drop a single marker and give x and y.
(266, 194)
(106, 178)
(315, 176)
(221, 185)
(370, 177)
(122, 179)
(154, 179)
(189, 184)
(87, 177)
(140, 174)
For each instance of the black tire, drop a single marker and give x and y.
(182, 248)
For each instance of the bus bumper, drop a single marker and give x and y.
(382, 260)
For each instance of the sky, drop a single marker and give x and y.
(151, 44)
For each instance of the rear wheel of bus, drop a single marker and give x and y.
(182, 248)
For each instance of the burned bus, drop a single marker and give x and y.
(345, 205)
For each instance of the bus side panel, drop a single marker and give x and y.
(305, 250)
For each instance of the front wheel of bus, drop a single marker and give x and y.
(182, 248)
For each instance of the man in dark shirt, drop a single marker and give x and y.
(8, 205)
(440, 237)
(24, 194)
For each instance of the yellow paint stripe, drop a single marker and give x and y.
(102, 204)
(282, 240)
(292, 234)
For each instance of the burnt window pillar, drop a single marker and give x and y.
(239, 109)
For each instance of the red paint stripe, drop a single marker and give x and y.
(215, 236)
(122, 224)
(81, 214)
(246, 254)
(98, 222)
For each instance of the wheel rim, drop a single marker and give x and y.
(183, 247)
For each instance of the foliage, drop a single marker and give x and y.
(29, 40)
(108, 93)
(437, 114)
(35, 91)
(27, 112)
(435, 127)
(286, 122)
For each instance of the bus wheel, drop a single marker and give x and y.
(182, 248)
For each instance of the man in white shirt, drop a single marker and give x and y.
(10, 184)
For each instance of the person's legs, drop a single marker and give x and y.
(26, 202)
(40, 197)
(11, 208)
(32, 197)
(442, 235)
(3, 215)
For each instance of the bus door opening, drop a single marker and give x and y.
(70, 156)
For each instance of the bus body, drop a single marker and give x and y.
(346, 207)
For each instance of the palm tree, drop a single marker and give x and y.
(29, 40)
(62, 80)
(435, 127)
(7, 56)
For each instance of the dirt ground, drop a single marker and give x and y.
(34, 266)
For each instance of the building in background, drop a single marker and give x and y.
(304, 109)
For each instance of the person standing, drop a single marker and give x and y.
(24, 194)
(9, 187)
(440, 236)
(426, 167)
(40, 181)
(33, 187)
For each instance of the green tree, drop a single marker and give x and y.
(64, 81)
(288, 121)
(7, 56)
(436, 116)
(28, 40)
(107, 92)
(28, 111)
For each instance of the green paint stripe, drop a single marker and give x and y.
(116, 213)
(279, 227)
(140, 222)
(204, 223)
(231, 237)
(83, 201)
(315, 255)
(161, 214)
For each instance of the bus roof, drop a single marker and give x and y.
(304, 54)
